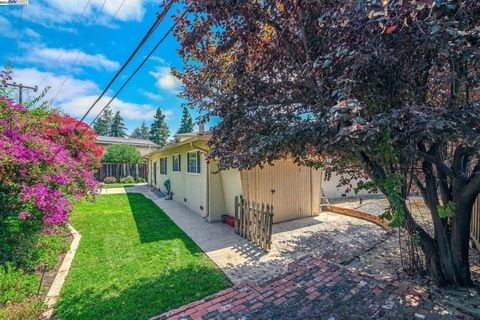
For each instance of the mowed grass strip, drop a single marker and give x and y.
(133, 262)
(119, 185)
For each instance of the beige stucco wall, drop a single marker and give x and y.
(333, 192)
(217, 201)
(188, 188)
(297, 189)
(232, 187)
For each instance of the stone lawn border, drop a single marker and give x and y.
(360, 214)
(55, 289)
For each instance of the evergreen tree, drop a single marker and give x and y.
(104, 123)
(118, 128)
(140, 132)
(159, 131)
(187, 122)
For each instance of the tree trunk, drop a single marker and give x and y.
(459, 241)
(448, 261)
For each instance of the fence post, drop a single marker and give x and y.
(270, 223)
(242, 215)
(236, 215)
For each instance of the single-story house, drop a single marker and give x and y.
(294, 191)
(144, 146)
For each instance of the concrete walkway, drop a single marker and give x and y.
(329, 236)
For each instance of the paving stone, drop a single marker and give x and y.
(339, 294)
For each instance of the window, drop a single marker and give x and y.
(155, 173)
(193, 162)
(163, 165)
(176, 163)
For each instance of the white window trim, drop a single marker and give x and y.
(180, 160)
(199, 162)
(160, 166)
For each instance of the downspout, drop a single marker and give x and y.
(311, 192)
(207, 182)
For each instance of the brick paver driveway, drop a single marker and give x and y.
(312, 289)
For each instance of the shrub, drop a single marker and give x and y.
(109, 180)
(121, 153)
(16, 285)
(140, 180)
(128, 179)
(29, 309)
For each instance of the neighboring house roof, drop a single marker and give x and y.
(185, 138)
(130, 141)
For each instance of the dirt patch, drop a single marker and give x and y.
(49, 276)
(386, 260)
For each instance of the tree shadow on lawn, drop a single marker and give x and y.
(154, 225)
(145, 297)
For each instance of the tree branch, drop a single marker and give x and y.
(436, 161)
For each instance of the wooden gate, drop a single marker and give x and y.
(475, 223)
(253, 221)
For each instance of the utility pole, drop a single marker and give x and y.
(20, 87)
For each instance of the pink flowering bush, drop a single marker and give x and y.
(45, 165)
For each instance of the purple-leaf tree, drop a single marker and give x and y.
(391, 87)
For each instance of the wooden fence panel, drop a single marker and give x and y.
(475, 223)
(253, 221)
(122, 170)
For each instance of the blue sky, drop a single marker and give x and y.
(90, 53)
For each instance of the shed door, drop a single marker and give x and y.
(285, 185)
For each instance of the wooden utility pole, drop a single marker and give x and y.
(20, 87)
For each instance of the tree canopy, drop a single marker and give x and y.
(121, 153)
(387, 89)
(186, 125)
(159, 131)
(118, 128)
(103, 124)
(140, 132)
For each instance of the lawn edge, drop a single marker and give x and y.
(56, 287)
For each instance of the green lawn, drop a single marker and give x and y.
(133, 262)
(119, 185)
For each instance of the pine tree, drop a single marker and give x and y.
(187, 122)
(118, 128)
(159, 131)
(104, 123)
(140, 132)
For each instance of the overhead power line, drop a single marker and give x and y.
(78, 52)
(137, 69)
(62, 51)
(150, 31)
(19, 31)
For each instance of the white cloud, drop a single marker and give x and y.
(77, 95)
(151, 95)
(158, 59)
(72, 88)
(165, 80)
(31, 34)
(6, 28)
(47, 56)
(130, 111)
(48, 12)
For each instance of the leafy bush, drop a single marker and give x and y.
(128, 179)
(109, 180)
(140, 180)
(16, 285)
(30, 249)
(121, 153)
(29, 309)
